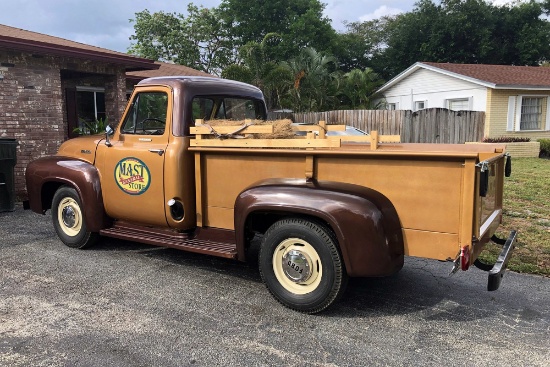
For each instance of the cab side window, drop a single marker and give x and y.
(147, 114)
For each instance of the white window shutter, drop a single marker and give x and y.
(471, 103)
(519, 101)
(511, 113)
(548, 113)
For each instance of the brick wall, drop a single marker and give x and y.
(30, 109)
(497, 114)
(529, 149)
(524, 149)
(115, 91)
(32, 101)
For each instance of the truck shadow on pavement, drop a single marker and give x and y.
(422, 286)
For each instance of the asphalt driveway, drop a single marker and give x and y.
(126, 304)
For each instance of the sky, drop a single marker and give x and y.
(105, 23)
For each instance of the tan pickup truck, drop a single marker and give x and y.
(325, 207)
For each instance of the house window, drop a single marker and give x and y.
(419, 105)
(531, 113)
(459, 104)
(392, 106)
(90, 104)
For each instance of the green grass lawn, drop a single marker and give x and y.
(526, 209)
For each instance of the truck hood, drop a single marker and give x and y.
(83, 147)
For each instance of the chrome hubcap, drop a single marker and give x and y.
(68, 216)
(297, 266)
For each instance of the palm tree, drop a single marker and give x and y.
(258, 69)
(357, 89)
(314, 81)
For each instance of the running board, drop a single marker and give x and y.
(208, 241)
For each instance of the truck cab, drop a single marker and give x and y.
(147, 158)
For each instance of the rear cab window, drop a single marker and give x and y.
(226, 108)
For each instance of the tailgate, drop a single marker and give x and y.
(490, 175)
(490, 178)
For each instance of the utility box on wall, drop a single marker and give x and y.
(8, 160)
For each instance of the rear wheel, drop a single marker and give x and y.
(301, 265)
(68, 219)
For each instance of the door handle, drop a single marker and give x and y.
(158, 151)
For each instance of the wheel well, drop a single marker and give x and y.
(47, 193)
(258, 223)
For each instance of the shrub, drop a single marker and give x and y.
(506, 139)
(544, 148)
(91, 127)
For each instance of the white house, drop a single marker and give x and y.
(515, 99)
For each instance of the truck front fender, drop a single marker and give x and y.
(45, 175)
(364, 221)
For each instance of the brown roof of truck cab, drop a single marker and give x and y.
(38, 43)
(206, 85)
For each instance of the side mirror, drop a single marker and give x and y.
(108, 132)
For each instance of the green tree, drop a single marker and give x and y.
(258, 69)
(314, 84)
(458, 31)
(198, 40)
(299, 23)
(239, 72)
(256, 57)
(523, 34)
(357, 89)
(360, 43)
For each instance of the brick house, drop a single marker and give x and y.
(47, 84)
(515, 99)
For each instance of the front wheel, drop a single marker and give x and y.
(301, 265)
(68, 220)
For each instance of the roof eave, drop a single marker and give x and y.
(402, 75)
(135, 77)
(131, 63)
(420, 65)
(523, 87)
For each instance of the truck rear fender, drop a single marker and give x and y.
(364, 221)
(45, 175)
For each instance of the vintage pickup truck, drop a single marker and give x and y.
(325, 208)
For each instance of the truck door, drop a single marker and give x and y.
(132, 167)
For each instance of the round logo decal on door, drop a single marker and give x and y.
(132, 176)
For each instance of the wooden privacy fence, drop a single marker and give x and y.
(432, 125)
(440, 125)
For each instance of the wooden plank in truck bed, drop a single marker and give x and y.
(267, 143)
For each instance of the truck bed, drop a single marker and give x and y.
(438, 216)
